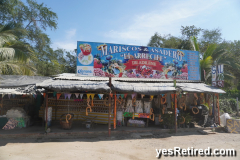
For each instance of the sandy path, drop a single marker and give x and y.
(106, 149)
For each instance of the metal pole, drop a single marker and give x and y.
(109, 109)
(237, 107)
(175, 111)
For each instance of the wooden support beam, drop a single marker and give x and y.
(46, 103)
(109, 109)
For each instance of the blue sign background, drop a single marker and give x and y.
(116, 60)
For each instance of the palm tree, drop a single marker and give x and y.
(215, 55)
(14, 54)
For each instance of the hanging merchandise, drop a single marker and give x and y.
(3, 95)
(76, 94)
(125, 95)
(89, 107)
(92, 96)
(151, 97)
(134, 95)
(195, 99)
(122, 95)
(118, 95)
(163, 99)
(58, 95)
(201, 98)
(142, 95)
(65, 95)
(147, 107)
(100, 96)
(152, 116)
(34, 96)
(160, 118)
(44, 94)
(9, 96)
(196, 110)
(81, 95)
(13, 95)
(69, 95)
(129, 107)
(139, 106)
(88, 96)
(111, 95)
(54, 94)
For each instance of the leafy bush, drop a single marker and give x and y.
(228, 105)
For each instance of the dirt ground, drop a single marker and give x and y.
(115, 148)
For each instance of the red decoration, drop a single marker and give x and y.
(137, 64)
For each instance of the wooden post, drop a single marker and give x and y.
(218, 109)
(46, 99)
(109, 109)
(115, 111)
(214, 109)
(175, 111)
(237, 107)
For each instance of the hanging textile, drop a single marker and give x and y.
(33, 95)
(111, 95)
(142, 95)
(118, 96)
(13, 95)
(69, 95)
(92, 96)
(9, 96)
(122, 95)
(65, 95)
(81, 95)
(76, 94)
(3, 95)
(125, 95)
(100, 96)
(58, 95)
(54, 94)
(134, 95)
(44, 94)
(151, 97)
(88, 96)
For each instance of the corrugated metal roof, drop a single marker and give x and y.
(66, 85)
(10, 81)
(143, 88)
(199, 87)
(10, 91)
(71, 76)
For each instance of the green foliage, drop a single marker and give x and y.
(228, 105)
(190, 31)
(169, 41)
(14, 54)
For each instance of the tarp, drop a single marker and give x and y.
(199, 87)
(143, 88)
(158, 88)
(70, 85)
(13, 81)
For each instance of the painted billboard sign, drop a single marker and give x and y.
(116, 60)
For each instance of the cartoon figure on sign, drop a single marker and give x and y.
(85, 57)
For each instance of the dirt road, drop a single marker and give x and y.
(115, 148)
